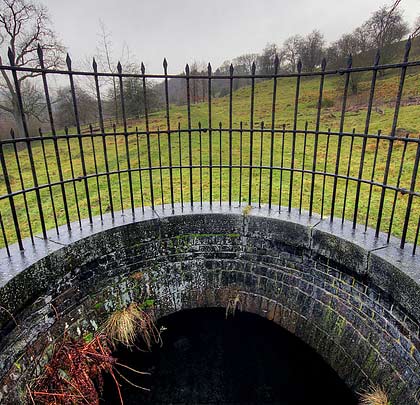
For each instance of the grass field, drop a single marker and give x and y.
(326, 153)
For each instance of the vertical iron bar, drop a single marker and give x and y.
(168, 127)
(281, 166)
(79, 135)
(410, 197)
(303, 166)
(201, 163)
(367, 123)
(54, 134)
(209, 90)
(347, 176)
(240, 161)
(6, 244)
(325, 171)
(102, 127)
(273, 124)
(140, 170)
(160, 168)
(96, 171)
(149, 157)
(76, 197)
(391, 142)
(340, 136)
(416, 237)
(47, 171)
(391, 220)
(220, 163)
(187, 78)
(181, 183)
(318, 119)
(127, 148)
(29, 146)
(292, 165)
(11, 200)
(118, 166)
(251, 129)
(261, 158)
(22, 185)
(371, 180)
(230, 131)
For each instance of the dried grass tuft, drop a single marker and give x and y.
(375, 396)
(124, 326)
(233, 305)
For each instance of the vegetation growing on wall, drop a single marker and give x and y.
(375, 396)
(74, 374)
(125, 325)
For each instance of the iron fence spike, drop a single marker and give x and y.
(11, 56)
(253, 68)
(68, 61)
(377, 57)
(40, 52)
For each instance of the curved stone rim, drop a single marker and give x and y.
(390, 268)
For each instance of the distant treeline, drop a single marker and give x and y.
(384, 30)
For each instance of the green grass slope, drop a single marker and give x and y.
(285, 146)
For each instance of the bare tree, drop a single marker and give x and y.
(363, 39)
(416, 28)
(198, 86)
(243, 63)
(291, 48)
(24, 25)
(311, 50)
(64, 107)
(266, 60)
(387, 26)
(104, 56)
(107, 62)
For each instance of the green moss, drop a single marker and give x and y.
(88, 337)
(148, 303)
(98, 305)
(205, 235)
(340, 325)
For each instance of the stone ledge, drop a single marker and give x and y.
(395, 270)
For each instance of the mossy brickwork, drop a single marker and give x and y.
(351, 297)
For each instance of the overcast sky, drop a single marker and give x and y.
(212, 30)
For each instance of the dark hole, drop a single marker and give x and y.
(206, 359)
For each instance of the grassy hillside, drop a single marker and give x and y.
(382, 117)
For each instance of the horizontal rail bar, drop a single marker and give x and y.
(204, 130)
(403, 191)
(200, 77)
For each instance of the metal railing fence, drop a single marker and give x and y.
(368, 176)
